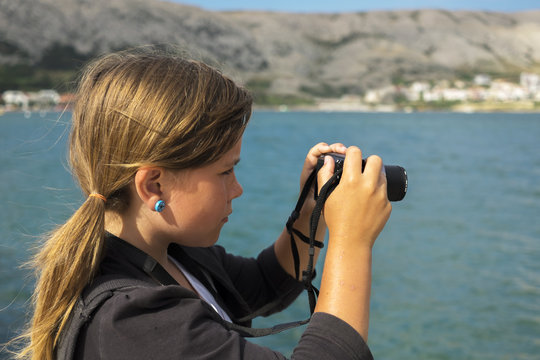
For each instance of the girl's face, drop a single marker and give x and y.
(201, 199)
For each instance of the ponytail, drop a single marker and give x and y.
(67, 262)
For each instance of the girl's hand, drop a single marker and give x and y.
(310, 163)
(357, 210)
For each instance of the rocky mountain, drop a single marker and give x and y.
(285, 54)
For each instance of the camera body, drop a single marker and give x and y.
(396, 176)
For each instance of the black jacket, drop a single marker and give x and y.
(168, 321)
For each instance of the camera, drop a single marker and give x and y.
(396, 176)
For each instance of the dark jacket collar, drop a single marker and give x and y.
(124, 259)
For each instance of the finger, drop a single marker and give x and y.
(315, 152)
(353, 162)
(325, 172)
(373, 168)
(311, 160)
(338, 148)
(320, 149)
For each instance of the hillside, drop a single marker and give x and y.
(278, 55)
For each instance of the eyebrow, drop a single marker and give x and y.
(234, 162)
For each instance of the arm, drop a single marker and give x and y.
(356, 213)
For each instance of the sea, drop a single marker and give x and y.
(456, 271)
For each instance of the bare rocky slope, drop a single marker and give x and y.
(279, 53)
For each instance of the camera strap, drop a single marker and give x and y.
(307, 274)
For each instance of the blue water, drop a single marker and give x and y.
(456, 270)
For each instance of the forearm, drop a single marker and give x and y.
(346, 285)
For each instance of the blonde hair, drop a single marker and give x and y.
(135, 108)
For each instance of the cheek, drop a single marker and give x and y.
(212, 200)
(220, 191)
(207, 202)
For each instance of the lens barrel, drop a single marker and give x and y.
(396, 182)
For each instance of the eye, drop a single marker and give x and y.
(228, 172)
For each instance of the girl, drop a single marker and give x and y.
(154, 142)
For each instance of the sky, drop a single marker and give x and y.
(366, 5)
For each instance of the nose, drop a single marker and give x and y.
(236, 190)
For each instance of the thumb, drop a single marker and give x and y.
(325, 172)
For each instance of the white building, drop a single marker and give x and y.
(433, 95)
(453, 94)
(477, 93)
(15, 98)
(506, 91)
(482, 80)
(378, 95)
(45, 97)
(416, 90)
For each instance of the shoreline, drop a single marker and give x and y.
(329, 106)
(485, 107)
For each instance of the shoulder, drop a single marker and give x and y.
(160, 302)
(139, 320)
(166, 322)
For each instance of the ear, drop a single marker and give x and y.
(148, 185)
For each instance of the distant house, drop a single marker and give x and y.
(417, 90)
(45, 97)
(453, 94)
(505, 91)
(482, 80)
(15, 98)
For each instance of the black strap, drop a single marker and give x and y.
(312, 291)
(250, 332)
(294, 216)
(307, 274)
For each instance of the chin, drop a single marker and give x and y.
(207, 240)
(210, 241)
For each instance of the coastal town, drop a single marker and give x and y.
(34, 101)
(482, 93)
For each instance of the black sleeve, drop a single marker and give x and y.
(168, 322)
(328, 336)
(261, 280)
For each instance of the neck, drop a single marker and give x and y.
(128, 229)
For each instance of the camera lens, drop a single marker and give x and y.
(397, 182)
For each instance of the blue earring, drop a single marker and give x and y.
(160, 205)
